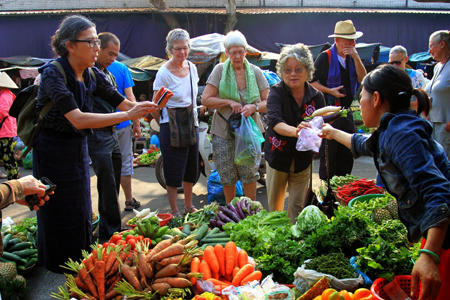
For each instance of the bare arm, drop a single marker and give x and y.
(359, 66)
(210, 99)
(342, 137)
(137, 125)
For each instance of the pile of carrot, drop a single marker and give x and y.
(147, 271)
(224, 266)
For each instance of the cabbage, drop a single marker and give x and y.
(310, 219)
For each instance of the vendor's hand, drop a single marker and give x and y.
(447, 127)
(335, 92)
(426, 271)
(236, 107)
(248, 110)
(327, 131)
(141, 108)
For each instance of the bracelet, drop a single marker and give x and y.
(435, 256)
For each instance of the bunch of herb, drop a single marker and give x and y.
(369, 206)
(202, 216)
(335, 264)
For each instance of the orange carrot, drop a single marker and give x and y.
(224, 280)
(144, 267)
(88, 281)
(129, 260)
(111, 260)
(81, 285)
(135, 271)
(105, 257)
(89, 262)
(235, 270)
(171, 260)
(99, 273)
(215, 275)
(161, 288)
(175, 282)
(115, 267)
(161, 246)
(111, 294)
(228, 277)
(211, 259)
(242, 258)
(195, 267)
(111, 280)
(256, 275)
(230, 257)
(241, 274)
(168, 271)
(94, 257)
(220, 254)
(217, 282)
(131, 277)
(205, 269)
(172, 250)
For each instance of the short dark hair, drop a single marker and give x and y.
(394, 85)
(69, 29)
(106, 37)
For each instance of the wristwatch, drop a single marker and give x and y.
(257, 108)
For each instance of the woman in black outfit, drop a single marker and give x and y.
(60, 149)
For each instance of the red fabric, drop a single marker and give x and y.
(444, 271)
(9, 128)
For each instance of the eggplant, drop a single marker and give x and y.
(230, 214)
(212, 223)
(239, 210)
(244, 208)
(220, 224)
(249, 208)
(224, 218)
(334, 116)
(233, 209)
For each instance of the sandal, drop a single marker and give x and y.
(130, 205)
(178, 215)
(188, 210)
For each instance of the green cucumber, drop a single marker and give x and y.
(20, 246)
(177, 231)
(203, 246)
(2, 259)
(7, 238)
(166, 237)
(25, 253)
(202, 232)
(186, 229)
(12, 242)
(215, 236)
(212, 231)
(30, 262)
(14, 258)
(215, 240)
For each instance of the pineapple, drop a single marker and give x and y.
(392, 207)
(380, 215)
(21, 279)
(8, 271)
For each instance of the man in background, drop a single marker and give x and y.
(339, 72)
(125, 132)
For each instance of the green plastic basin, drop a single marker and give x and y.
(364, 198)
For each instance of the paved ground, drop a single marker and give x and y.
(146, 189)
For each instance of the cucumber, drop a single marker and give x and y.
(186, 229)
(12, 242)
(25, 253)
(2, 259)
(30, 262)
(20, 246)
(212, 231)
(211, 244)
(166, 237)
(14, 258)
(222, 235)
(216, 240)
(7, 238)
(202, 232)
(177, 231)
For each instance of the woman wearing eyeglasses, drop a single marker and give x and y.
(289, 102)
(235, 86)
(60, 150)
(179, 118)
(439, 88)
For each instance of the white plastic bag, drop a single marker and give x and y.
(308, 138)
(305, 279)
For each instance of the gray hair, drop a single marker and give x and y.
(70, 29)
(177, 35)
(235, 38)
(301, 53)
(399, 49)
(441, 35)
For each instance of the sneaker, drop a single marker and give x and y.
(132, 205)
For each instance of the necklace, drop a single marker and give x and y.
(179, 69)
(435, 77)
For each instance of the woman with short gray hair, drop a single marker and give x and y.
(234, 87)
(289, 102)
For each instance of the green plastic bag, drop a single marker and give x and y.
(27, 161)
(248, 143)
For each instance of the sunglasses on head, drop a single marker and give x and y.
(395, 62)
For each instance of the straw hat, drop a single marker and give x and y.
(346, 30)
(6, 81)
(154, 125)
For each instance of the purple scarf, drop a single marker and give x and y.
(334, 73)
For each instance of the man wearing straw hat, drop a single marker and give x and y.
(339, 71)
(8, 127)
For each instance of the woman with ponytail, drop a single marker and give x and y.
(412, 166)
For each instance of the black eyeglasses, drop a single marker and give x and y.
(395, 62)
(92, 43)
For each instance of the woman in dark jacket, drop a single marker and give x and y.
(289, 102)
(60, 149)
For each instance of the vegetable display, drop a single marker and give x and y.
(310, 219)
(357, 188)
(239, 209)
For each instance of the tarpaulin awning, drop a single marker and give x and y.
(144, 68)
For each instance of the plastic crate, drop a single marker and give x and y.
(404, 281)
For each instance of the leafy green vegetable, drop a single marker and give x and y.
(335, 264)
(310, 219)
